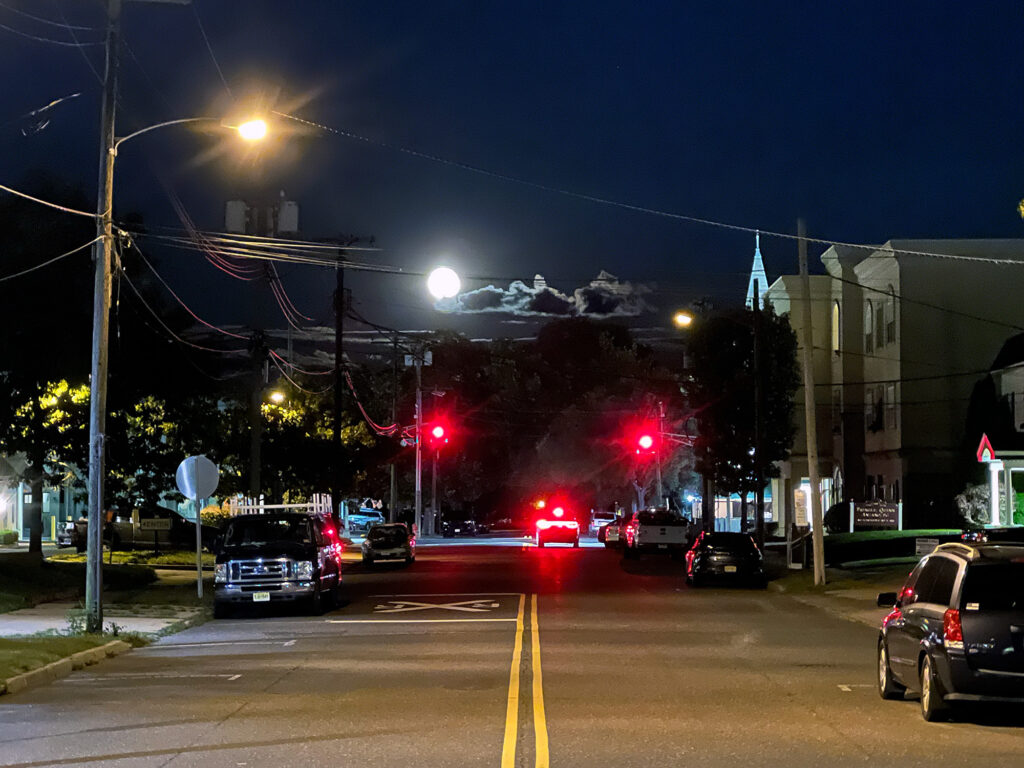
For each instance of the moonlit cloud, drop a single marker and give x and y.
(604, 296)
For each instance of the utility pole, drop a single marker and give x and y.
(393, 503)
(260, 374)
(433, 494)
(758, 426)
(419, 440)
(657, 463)
(339, 383)
(101, 329)
(817, 537)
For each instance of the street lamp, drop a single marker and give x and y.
(277, 397)
(101, 323)
(682, 319)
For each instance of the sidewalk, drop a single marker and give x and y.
(170, 601)
(848, 593)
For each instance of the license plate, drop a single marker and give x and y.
(730, 569)
(264, 597)
(663, 546)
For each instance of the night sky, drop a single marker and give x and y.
(871, 120)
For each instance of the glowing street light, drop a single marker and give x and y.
(277, 397)
(444, 283)
(253, 130)
(682, 319)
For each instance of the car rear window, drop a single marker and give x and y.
(730, 542)
(659, 518)
(390, 535)
(995, 586)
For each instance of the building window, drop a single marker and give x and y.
(874, 411)
(880, 325)
(890, 317)
(836, 328)
(890, 406)
(869, 325)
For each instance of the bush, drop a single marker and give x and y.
(837, 518)
(973, 506)
(8, 537)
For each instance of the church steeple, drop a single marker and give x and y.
(757, 274)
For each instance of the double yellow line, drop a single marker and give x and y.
(540, 728)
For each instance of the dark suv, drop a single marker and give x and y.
(956, 631)
(277, 557)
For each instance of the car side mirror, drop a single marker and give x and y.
(887, 599)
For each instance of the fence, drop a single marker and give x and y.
(319, 505)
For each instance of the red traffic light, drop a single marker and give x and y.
(437, 435)
(646, 442)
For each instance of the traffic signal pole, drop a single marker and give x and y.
(419, 441)
(657, 463)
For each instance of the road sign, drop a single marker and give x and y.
(155, 524)
(197, 477)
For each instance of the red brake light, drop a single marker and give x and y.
(558, 511)
(543, 524)
(952, 630)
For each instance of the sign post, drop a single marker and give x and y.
(197, 479)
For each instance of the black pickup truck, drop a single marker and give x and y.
(275, 558)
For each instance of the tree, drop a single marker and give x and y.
(48, 424)
(720, 389)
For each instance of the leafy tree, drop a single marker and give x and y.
(48, 424)
(720, 389)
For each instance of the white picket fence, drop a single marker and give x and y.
(320, 505)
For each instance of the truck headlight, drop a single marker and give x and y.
(302, 570)
(220, 573)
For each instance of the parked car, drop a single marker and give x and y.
(277, 557)
(391, 541)
(598, 520)
(727, 557)
(361, 521)
(956, 630)
(557, 527)
(610, 534)
(151, 529)
(66, 534)
(654, 530)
(458, 527)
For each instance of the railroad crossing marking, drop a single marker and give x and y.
(404, 606)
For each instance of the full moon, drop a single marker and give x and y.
(443, 283)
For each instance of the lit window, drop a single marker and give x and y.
(836, 327)
(869, 326)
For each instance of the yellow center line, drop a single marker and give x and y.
(540, 726)
(508, 748)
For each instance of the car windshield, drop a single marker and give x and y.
(658, 518)
(995, 586)
(269, 530)
(390, 534)
(730, 542)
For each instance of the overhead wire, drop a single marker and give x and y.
(48, 262)
(48, 40)
(64, 208)
(206, 39)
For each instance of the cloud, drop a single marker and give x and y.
(604, 296)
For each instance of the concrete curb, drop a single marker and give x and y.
(62, 667)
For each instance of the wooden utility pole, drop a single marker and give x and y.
(339, 382)
(393, 502)
(101, 330)
(817, 537)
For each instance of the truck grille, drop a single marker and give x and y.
(259, 571)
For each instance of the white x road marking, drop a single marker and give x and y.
(403, 606)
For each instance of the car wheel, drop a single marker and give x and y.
(221, 610)
(609, 545)
(80, 548)
(576, 543)
(316, 602)
(368, 559)
(540, 542)
(409, 560)
(932, 706)
(888, 688)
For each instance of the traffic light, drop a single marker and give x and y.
(438, 435)
(647, 441)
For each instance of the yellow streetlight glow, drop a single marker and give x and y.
(253, 130)
(277, 397)
(682, 319)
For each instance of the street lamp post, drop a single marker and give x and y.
(251, 130)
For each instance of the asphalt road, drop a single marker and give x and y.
(499, 656)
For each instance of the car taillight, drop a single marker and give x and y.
(952, 630)
(543, 524)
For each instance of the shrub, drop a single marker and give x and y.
(973, 505)
(837, 518)
(8, 537)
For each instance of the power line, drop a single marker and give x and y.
(42, 20)
(50, 261)
(63, 208)
(47, 40)
(202, 31)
